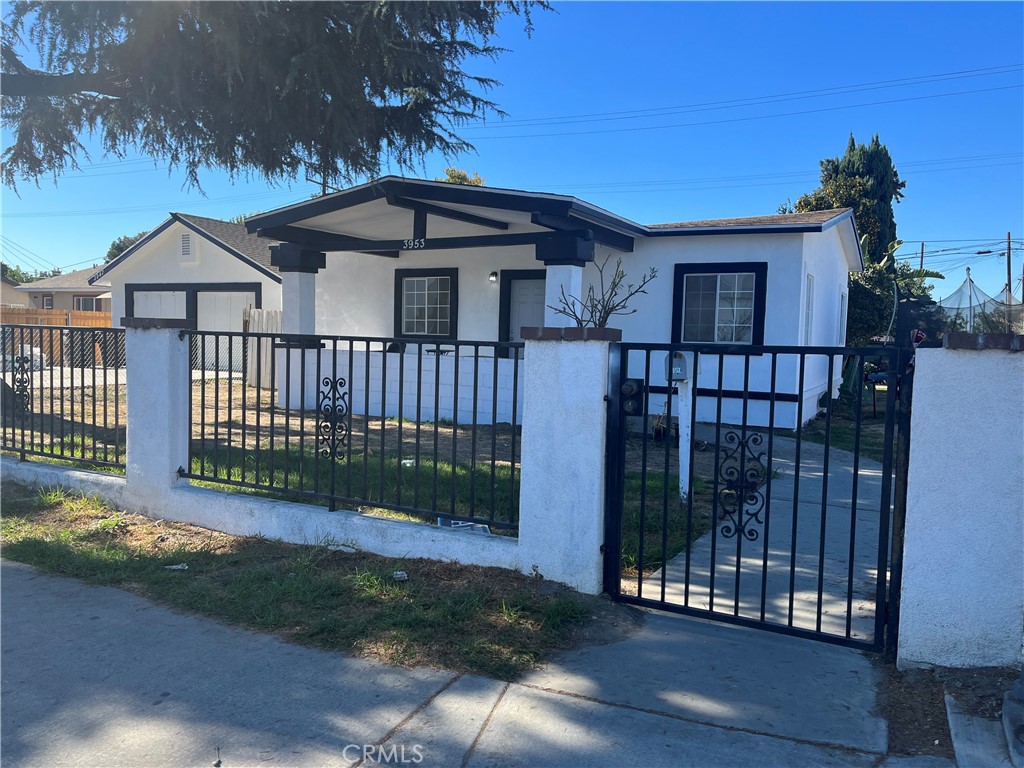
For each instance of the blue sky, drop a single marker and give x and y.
(677, 111)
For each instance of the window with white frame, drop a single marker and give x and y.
(719, 308)
(48, 302)
(809, 311)
(843, 311)
(426, 303)
(86, 304)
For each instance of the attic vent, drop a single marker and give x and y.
(186, 247)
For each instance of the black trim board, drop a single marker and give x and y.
(441, 192)
(179, 219)
(453, 302)
(507, 277)
(419, 207)
(729, 394)
(760, 270)
(328, 241)
(191, 291)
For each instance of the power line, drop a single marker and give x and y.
(634, 114)
(750, 118)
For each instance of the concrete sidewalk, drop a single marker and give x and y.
(94, 676)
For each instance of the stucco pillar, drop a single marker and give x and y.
(296, 366)
(567, 278)
(298, 267)
(561, 507)
(962, 594)
(158, 421)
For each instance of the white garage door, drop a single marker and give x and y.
(164, 304)
(222, 311)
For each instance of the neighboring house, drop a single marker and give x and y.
(193, 267)
(9, 297)
(438, 262)
(70, 291)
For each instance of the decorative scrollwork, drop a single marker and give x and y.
(22, 386)
(740, 499)
(332, 409)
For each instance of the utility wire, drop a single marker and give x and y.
(750, 118)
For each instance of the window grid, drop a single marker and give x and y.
(426, 306)
(719, 308)
(85, 303)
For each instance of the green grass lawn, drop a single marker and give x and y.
(843, 429)
(376, 484)
(465, 618)
(659, 517)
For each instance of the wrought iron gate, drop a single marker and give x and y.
(761, 486)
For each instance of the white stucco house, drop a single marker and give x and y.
(432, 261)
(196, 268)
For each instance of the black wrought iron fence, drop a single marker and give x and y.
(63, 393)
(423, 429)
(754, 484)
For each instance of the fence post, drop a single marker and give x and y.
(562, 488)
(158, 421)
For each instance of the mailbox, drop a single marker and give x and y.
(678, 366)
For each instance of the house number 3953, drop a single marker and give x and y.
(412, 245)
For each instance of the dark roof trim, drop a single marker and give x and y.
(183, 220)
(781, 229)
(237, 254)
(442, 192)
(124, 255)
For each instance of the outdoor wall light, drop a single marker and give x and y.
(493, 277)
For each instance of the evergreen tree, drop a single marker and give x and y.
(122, 244)
(864, 179)
(453, 175)
(330, 89)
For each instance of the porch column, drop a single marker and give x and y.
(559, 278)
(296, 366)
(298, 267)
(565, 260)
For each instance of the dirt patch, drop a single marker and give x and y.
(912, 702)
(980, 691)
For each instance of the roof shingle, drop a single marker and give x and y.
(234, 236)
(782, 219)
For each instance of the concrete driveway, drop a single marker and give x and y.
(787, 553)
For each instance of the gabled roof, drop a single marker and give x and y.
(233, 238)
(69, 281)
(782, 220)
(376, 217)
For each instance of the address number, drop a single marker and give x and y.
(412, 245)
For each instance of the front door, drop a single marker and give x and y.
(526, 306)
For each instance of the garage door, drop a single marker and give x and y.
(164, 304)
(222, 311)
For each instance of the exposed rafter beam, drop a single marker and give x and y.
(329, 241)
(602, 235)
(447, 213)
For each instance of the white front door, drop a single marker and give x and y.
(526, 306)
(222, 311)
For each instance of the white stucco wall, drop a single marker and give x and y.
(159, 262)
(355, 296)
(562, 468)
(469, 390)
(963, 568)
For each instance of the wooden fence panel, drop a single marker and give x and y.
(260, 321)
(30, 316)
